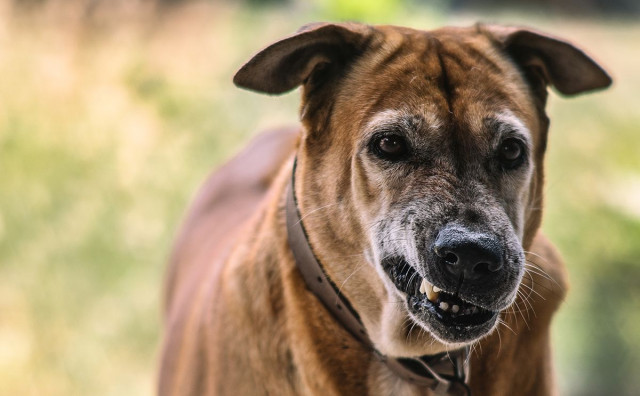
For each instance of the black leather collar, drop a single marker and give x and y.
(444, 373)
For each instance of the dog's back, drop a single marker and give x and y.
(223, 205)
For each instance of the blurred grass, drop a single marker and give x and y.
(108, 124)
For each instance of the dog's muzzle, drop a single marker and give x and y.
(464, 280)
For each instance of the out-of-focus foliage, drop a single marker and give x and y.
(112, 112)
(618, 7)
(363, 10)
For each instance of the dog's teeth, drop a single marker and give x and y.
(431, 294)
(444, 306)
(422, 286)
(437, 289)
(455, 309)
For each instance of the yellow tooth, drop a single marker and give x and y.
(431, 294)
(430, 290)
(437, 289)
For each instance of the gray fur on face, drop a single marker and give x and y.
(468, 195)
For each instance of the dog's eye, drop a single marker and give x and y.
(511, 153)
(390, 147)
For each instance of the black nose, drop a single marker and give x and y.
(468, 255)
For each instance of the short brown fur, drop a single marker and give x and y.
(239, 318)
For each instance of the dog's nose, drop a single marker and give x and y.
(467, 255)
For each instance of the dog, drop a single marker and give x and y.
(390, 244)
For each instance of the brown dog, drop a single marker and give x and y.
(417, 187)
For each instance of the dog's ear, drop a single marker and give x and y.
(313, 54)
(547, 60)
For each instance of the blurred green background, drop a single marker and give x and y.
(113, 112)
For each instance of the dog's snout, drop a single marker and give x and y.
(468, 256)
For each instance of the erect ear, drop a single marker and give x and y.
(317, 50)
(552, 60)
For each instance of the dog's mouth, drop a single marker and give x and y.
(448, 315)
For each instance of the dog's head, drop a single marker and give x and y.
(419, 175)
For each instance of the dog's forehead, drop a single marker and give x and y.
(451, 75)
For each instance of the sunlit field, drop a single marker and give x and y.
(111, 117)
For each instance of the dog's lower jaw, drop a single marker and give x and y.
(399, 333)
(448, 320)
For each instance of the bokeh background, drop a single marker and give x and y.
(113, 112)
